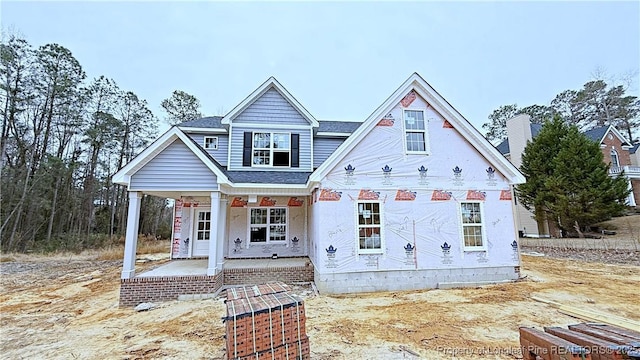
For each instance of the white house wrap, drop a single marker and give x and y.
(412, 197)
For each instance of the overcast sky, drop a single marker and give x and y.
(341, 60)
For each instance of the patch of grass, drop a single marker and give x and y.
(146, 245)
(7, 258)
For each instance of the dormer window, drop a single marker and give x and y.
(271, 149)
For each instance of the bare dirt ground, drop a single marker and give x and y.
(66, 307)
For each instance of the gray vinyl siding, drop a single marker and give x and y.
(237, 134)
(221, 155)
(323, 147)
(271, 108)
(175, 168)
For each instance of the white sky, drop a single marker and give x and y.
(341, 60)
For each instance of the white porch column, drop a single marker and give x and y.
(213, 233)
(222, 232)
(131, 239)
(631, 200)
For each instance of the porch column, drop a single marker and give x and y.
(131, 239)
(631, 199)
(213, 233)
(222, 232)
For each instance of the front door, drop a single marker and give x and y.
(202, 233)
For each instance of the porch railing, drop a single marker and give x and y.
(629, 171)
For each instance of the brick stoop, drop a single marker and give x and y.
(164, 288)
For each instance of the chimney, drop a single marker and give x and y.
(518, 133)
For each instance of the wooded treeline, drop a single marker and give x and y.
(63, 137)
(599, 102)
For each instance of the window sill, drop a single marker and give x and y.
(371, 253)
(475, 250)
(270, 167)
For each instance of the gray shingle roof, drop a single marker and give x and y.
(205, 122)
(338, 126)
(596, 134)
(535, 129)
(268, 177)
(503, 147)
(634, 148)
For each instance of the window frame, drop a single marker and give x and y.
(268, 225)
(204, 142)
(380, 226)
(613, 153)
(205, 232)
(271, 149)
(424, 132)
(481, 224)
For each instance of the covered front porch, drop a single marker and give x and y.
(220, 239)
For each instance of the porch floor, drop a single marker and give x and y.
(199, 266)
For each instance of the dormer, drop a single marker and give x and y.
(270, 131)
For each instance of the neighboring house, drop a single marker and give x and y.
(617, 151)
(413, 197)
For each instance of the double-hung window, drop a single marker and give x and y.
(472, 225)
(211, 142)
(268, 225)
(271, 149)
(415, 130)
(369, 228)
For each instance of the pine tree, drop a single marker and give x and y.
(567, 179)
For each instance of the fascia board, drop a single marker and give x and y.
(332, 134)
(202, 130)
(269, 186)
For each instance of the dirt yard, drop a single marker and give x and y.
(66, 307)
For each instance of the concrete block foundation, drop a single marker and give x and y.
(396, 280)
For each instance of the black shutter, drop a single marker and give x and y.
(246, 149)
(295, 150)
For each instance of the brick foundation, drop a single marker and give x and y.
(151, 289)
(165, 288)
(264, 275)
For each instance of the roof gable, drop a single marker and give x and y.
(269, 85)
(123, 176)
(598, 134)
(441, 106)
